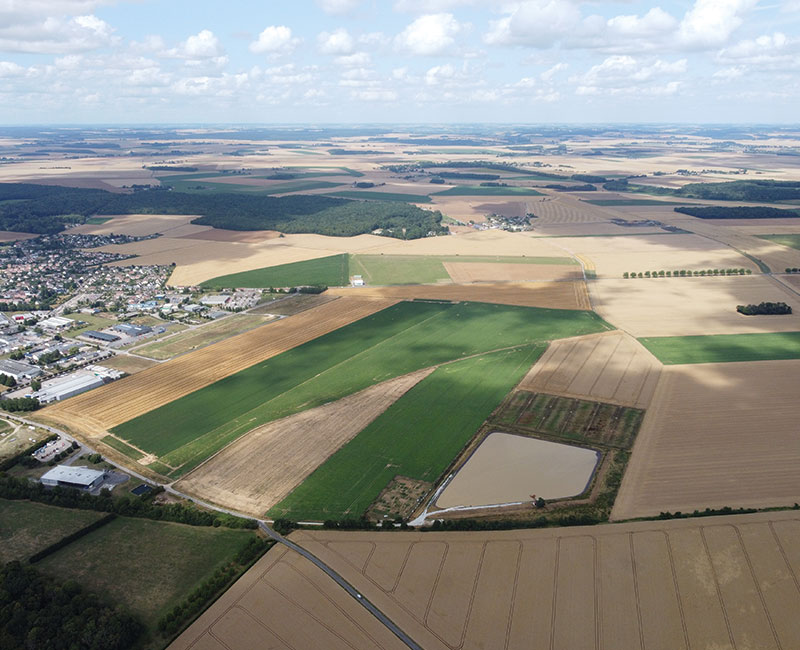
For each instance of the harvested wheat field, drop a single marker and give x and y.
(95, 412)
(716, 435)
(556, 295)
(611, 367)
(239, 236)
(461, 272)
(697, 305)
(8, 236)
(715, 583)
(138, 225)
(613, 256)
(604, 228)
(258, 470)
(128, 363)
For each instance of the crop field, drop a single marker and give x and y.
(201, 336)
(554, 295)
(148, 566)
(716, 435)
(93, 413)
(29, 527)
(571, 419)
(792, 241)
(477, 190)
(461, 272)
(655, 585)
(417, 437)
(611, 367)
(263, 466)
(128, 363)
(398, 269)
(692, 306)
(330, 271)
(398, 340)
(292, 304)
(381, 196)
(720, 348)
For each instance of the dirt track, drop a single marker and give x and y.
(610, 367)
(95, 412)
(716, 435)
(263, 466)
(720, 582)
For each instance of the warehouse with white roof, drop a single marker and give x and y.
(76, 477)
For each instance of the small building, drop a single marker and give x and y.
(217, 301)
(64, 387)
(19, 370)
(21, 318)
(129, 329)
(193, 309)
(57, 323)
(101, 336)
(358, 281)
(80, 477)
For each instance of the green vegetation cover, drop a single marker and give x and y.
(718, 348)
(739, 212)
(330, 271)
(792, 241)
(479, 190)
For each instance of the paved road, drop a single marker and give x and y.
(339, 580)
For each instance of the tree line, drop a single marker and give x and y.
(764, 309)
(685, 273)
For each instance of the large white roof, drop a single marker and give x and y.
(79, 475)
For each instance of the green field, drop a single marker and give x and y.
(400, 339)
(148, 566)
(331, 271)
(417, 437)
(477, 190)
(27, 528)
(300, 186)
(381, 196)
(612, 202)
(93, 322)
(424, 269)
(719, 348)
(792, 241)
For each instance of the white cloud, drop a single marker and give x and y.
(338, 6)
(548, 74)
(654, 23)
(439, 74)
(203, 45)
(710, 23)
(353, 60)
(623, 74)
(55, 35)
(274, 39)
(537, 23)
(374, 95)
(336, 42)
(10, 69)
(774, 51)
(429, 34)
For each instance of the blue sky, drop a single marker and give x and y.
(176, 61)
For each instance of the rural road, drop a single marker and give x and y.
(339, 580)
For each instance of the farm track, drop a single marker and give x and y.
(640, 585)
(95, 412)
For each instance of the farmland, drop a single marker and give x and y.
(722, 348)
(329, 271)
(792, 241)
(477, 190)
(401, 339)
(381, 196)
(417, 437)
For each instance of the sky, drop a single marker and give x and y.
(398, 61)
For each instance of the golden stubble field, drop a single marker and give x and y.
(95, 412)
(692, 306)
(718, 583)
(716, 435)
(610, 367)
(259, 469)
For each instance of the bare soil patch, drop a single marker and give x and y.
(293, 305)
(7, 236)
(461, 272)
(263, 466)
(128, 363)
(240, 236)
(716, 435)
(687, 306)
(611, 367)
(137, 225)
(399, 499)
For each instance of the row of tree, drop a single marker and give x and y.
(20, 404)
(685, 273)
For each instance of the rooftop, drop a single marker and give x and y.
(77, 475)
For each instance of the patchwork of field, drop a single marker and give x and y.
(722, 348)
(555, 295)
(716, 435)
(417, 437)
(401, 339)
(719, 582)
(464, 272)
(95, 412)
(609, 367)
(596, 229)
(693, 306)
(613, 256)
(262, 467)
(199, 337)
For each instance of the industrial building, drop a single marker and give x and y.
(19, 370)
(56, 323)
(101, 336)
(74, 477)
(64, 387)
(129, 329)
(221, 299)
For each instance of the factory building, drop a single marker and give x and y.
(56, 323)
(74, 477)
(64, 387)
(19, 370)
(129, 329)
(100, 336)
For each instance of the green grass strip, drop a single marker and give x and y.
(720, 348)
(792, 241)
(476, 190)
(332, 271)
(418, 436)
(116, 443)
(381, 196)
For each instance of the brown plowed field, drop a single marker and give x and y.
(611, 367)
(95, 412)
(262, 467)
(693, 306)
(556, 295)
(718, 582)
(462, 272)
(716, 435)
